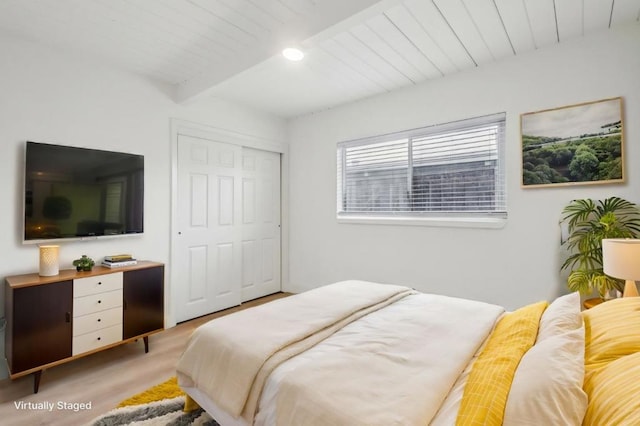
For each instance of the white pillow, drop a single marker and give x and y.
(562, 315)
(547, 387)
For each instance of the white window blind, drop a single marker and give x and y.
(450, 170)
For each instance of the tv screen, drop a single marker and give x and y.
(78, 192)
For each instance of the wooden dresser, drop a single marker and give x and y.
(53, 320)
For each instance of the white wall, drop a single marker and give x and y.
(511, 266)
(51, 97)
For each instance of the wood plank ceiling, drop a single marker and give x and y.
(354, 49)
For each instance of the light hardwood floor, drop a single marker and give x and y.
(102, 379)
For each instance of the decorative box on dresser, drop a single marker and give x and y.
(53, 320)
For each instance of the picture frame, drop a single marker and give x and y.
(580, 144)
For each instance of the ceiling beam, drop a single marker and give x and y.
(325, 14)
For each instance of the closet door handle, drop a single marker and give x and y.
(67, 316)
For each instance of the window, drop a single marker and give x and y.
(448, 171)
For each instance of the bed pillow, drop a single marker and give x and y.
(547, 386)
(562, 315)
(487, 388)
(613, 393)
(612, 330)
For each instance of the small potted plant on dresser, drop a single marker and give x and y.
(85, 263)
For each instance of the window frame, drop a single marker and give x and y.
(496, 219)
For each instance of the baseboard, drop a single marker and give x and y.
(295, 288)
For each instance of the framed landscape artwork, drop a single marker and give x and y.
(573, 145)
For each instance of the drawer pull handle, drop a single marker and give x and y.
(99, 320)
(99, 282)
(99, 338)
(99, 301)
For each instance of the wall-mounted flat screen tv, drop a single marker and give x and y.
(76, 193)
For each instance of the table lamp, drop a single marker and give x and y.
(621, 259)
(49, 260)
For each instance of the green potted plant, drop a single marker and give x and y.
(588, 223)
(85, 263)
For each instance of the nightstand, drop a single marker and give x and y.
(590, 303)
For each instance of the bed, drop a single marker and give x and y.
(362, 353)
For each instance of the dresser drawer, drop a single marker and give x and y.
(96, 303)
(97, 284)
(96, 339)
(99, 320)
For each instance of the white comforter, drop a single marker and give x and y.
(395, 365)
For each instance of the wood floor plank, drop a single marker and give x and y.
(102, 379)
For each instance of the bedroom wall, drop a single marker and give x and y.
(48, 96)
(511, 266)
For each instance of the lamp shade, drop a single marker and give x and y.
(621, 258)
(49, 260)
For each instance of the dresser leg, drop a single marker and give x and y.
(146, 344)
(36, 380)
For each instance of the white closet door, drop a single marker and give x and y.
(208, 244)
(261, 250)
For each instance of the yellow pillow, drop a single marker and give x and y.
(612, 330)
(487, 388)
(613, 393)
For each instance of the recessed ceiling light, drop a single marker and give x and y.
(293, 54)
